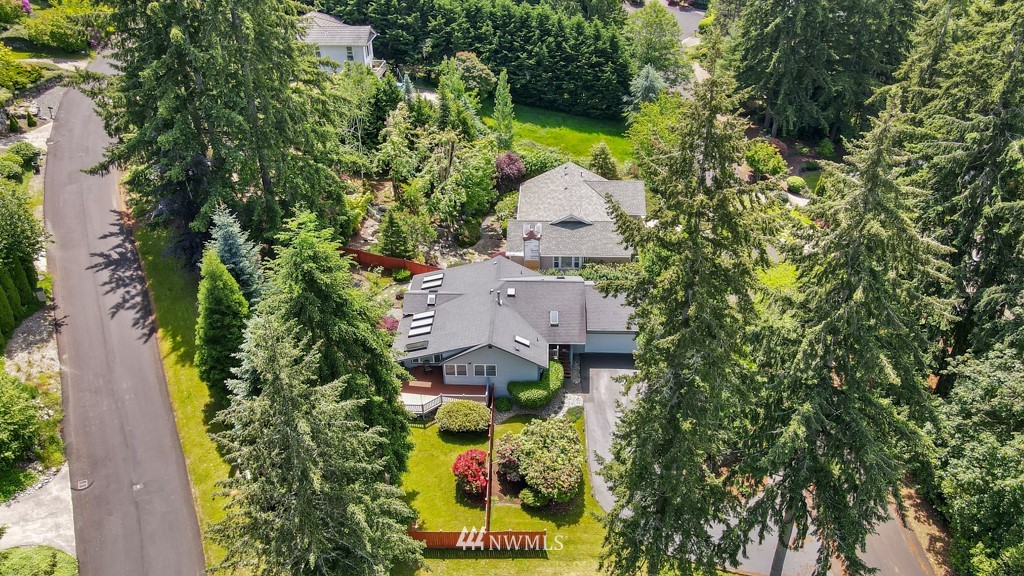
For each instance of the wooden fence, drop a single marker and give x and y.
(368, 259)
(468, 540)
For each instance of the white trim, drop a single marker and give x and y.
(490, 370)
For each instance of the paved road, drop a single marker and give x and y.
(894, 550)
(134, 514)
(688, 18)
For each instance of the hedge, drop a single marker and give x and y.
(539, 394)
(463, 416)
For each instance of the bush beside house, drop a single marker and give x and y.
(538, 394)
(470, 471)
(547, 456)
(463, 416)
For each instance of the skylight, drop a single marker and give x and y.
(411, 346)
(432, 281)
(523, 341)
(420, 331)
(554, 317)
(422, 323)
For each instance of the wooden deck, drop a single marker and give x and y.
(426, 391)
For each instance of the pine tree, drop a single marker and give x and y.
(222, 315)
(691, 294)
(394, 241)
(646, 87)
(310, 285)
(504, 113)
(239, 255)
(832, 431)
(602, 163)
(309, 497)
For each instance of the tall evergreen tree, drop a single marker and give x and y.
(504, 113)
(308, 498)
(646, 87)
(310, 285)
(602, 162)
(223, 311)
(386, 97)
(831, 434)
(239, 255)
(691, 294)
(397, 154)
(394, 241)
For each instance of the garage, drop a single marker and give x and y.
(610, 343)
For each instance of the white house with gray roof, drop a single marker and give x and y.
(563, 220)
(497, 322)
(341, 42)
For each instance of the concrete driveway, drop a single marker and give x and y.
(41, 518)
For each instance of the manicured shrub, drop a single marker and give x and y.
(509, 170)
(551, 458)
(223, 311)
(796, 185)
(10, 170)
(401, 275)
(25, 152)
(538, 394)
(470, 471)
(506, 457)
(12, 125)
(23, 285)
(12, 158)
(11, 290)
(533, 499)
(463, 416)
(11, 11)
(30, 120)
(8, 318)
(826, 148)
(19, 421)
(502, 403)
(60, 27)
(764, 159)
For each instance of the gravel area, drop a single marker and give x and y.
(31, 353)
(560, 404)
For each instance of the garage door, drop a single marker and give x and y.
(610, 342)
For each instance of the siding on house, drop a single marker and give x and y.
(510, 368)
(610, 342)
(340, 54)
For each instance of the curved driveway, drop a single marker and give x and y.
(133, 507)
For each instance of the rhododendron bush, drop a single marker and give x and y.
(470, 471)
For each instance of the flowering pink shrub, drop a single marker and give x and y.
(471, 472)
(509, 170)
(26, 6)
(506, 457)
(551, 458)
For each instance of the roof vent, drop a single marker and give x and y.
(412, 346)
(511, 293)
(523, 341)
(431, 299)
(554, 317)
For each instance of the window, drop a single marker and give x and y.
(456, 369)
(349, 54)
(485, 370)
(574, 262)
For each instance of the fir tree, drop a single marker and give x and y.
(394, 241)
(385, 98)
(309, 497)
(646, 87)
(239, 255)
(602, 163)
(504, 113)
(831, 433)
(397, 153)
(223, 311)
(691, 294)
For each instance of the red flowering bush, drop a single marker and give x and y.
(471, 472)
(388, 323)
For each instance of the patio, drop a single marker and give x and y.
(427, 390)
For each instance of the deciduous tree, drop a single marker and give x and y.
(653, 39)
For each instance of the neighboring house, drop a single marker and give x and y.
(341, 42)
(497, 322)
(563, 219)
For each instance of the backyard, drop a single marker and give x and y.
(575, 135)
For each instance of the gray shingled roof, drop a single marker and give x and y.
(628, 193)
(573, 190)
(326, 30)
(607, 313)
(467, 314)
(597, 240)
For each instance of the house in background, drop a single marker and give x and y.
(563, 220)
(486, 324)
(341, 42)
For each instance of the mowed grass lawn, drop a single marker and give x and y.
(576, 527)
(174, 293)
(37, 560)
(575, 135)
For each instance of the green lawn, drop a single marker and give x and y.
(576, 527)
(14, 480)
(812, 179)
(430, 485)
(35, 560)
(174, 294)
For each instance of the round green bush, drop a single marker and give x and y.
(551, 458)
(25, 151)
(502, 403)
(401, 275)
(796, 185)
(463, 416)
(764, 159)
(826, 148)
(12, 158)
(10, 170)
(533, 499)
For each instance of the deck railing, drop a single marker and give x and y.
(440, 400)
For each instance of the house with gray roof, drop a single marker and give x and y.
(563, 220)
(496, 322)
(341, 42)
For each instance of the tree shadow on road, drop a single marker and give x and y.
(120, 275)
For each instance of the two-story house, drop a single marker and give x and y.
(341, 42)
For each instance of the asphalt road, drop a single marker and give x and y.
(894, 550)
(133, 508)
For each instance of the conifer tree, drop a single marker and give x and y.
(7, 317)
(831, 433)
(397, 154)
(223, 311)
(691, 294)
(504, 113)
(21, 282)
(602, 163)
(308, 498)
(239, 255)
(394, 241)
(646, 87)
(12, 292)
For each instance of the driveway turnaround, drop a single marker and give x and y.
(41, 518)
(894, 550)
(133, 507)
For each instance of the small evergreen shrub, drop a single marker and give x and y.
(30, 120)
(796, 185)
(506, 457)
(533, 499)
(469, 232)
(470, 471)
(24, 151)
(502, 403)
(12, 125)
(463, 416)
(10, 170)
(538, 394)
(826, 148)
(401, 275)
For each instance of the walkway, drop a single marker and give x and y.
(133, 506)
